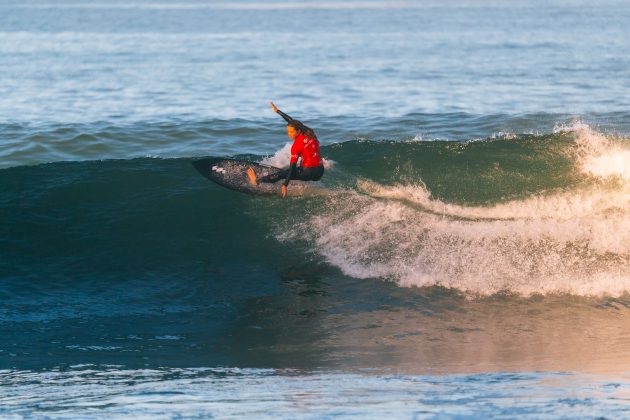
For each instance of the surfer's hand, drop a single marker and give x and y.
(273, 106)
(284, 191)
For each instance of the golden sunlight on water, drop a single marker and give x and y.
(545, 334)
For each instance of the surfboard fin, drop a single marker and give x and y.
(252, 176)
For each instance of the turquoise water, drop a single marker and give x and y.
(467, 253)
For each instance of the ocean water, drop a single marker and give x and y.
(467, 253)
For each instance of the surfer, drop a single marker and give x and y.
(306, 145)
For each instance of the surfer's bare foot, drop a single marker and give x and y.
(252, 176)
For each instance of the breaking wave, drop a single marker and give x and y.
(571, 239)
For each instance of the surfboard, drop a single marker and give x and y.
(232, 174)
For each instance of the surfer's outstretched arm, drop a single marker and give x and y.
(286, 117)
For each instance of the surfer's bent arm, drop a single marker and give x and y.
(290, 174)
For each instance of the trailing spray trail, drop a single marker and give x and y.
(574, 239)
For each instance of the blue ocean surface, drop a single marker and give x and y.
(466, 254)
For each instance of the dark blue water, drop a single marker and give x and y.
(466, 254)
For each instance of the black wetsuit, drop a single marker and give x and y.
(300, 173)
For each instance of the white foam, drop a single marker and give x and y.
(570, 127)
(597, 154)
(559, 206)
(505, 135)
(573, 241)
(384, 239)
(615, 163)
(282, 158)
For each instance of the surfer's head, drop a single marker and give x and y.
(291, 132)
(296, 127)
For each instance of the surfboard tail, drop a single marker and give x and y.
(232, 174)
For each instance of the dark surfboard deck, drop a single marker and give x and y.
(232, 174)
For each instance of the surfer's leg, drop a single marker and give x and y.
(273, 178)
(300, 174)
(309, 173)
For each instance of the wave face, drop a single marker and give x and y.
(528, 214)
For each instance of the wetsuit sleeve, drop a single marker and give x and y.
(286, 117)
(289, 174)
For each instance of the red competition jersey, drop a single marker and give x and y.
(308, 148)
